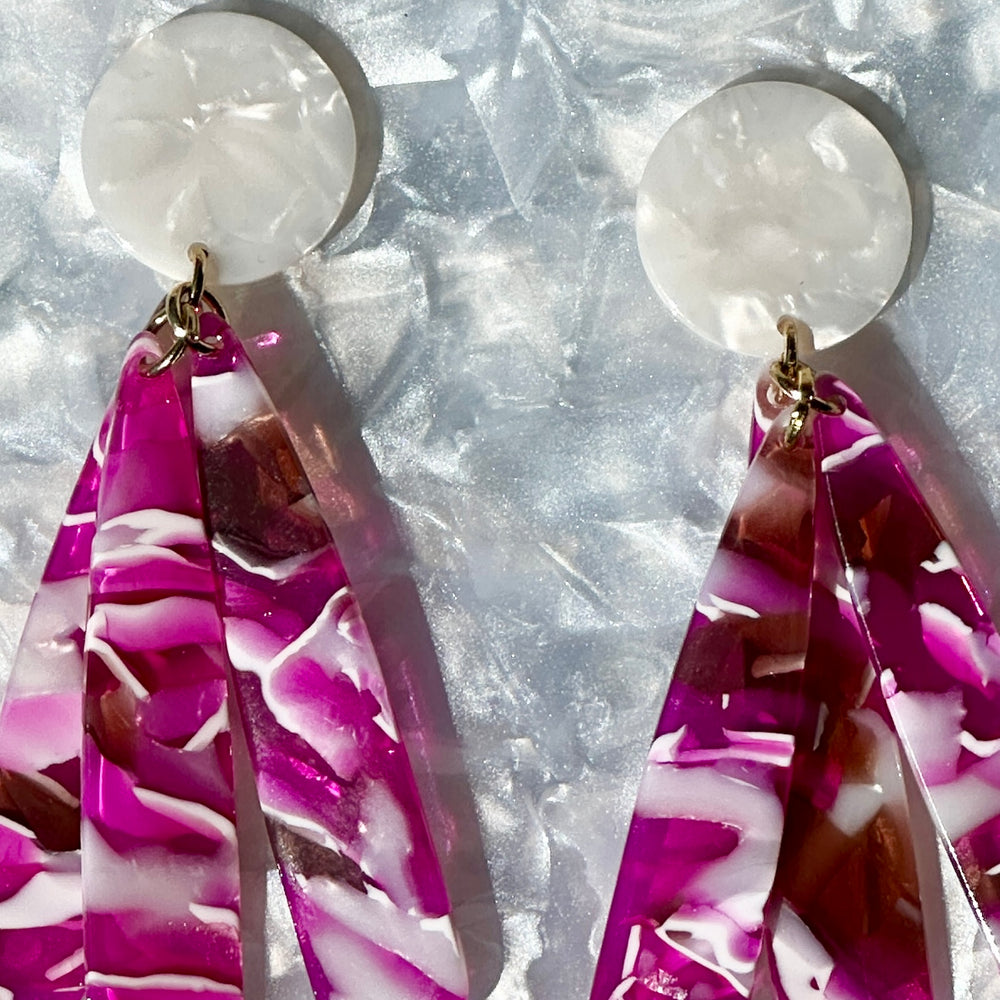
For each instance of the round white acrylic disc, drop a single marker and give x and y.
(772, 198)
(224, 129)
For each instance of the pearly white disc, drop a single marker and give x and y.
(224, 129)
(771, 198)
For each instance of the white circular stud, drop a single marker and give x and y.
(772, 198)
(224, 129)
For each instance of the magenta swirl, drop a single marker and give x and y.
(360, 871)
(900, 658)
(160, 864)
(687, 918)
(41, 894)
(193, 556)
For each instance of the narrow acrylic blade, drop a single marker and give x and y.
(41, 732)
(701, 855)
(846, 913)
(935, 649)
(845, 918)
(160, 866)
(360, 872)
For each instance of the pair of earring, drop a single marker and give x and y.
(835, 623)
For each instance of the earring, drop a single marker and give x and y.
(836, 642)
(193, 562)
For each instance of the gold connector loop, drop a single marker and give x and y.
(796, 379)
(181, 310)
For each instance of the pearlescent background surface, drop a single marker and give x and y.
(525, 459)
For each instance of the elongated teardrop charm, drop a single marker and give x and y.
(160, 864)
(845, 917)
(934, 647)
(702, 851)
(335, 783)
(846, 910)
(41, 896)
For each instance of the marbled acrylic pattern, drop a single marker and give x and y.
(845, 920)
(41, 910)
(335, 783)
(934, 646)
(702, 852)
(149, 793)
(901, 659)
(160, 864)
